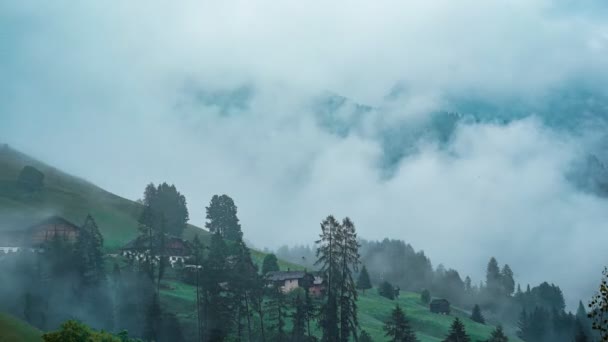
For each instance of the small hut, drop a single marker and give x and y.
(440, 306)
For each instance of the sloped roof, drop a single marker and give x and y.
(285, 275)
(54, 220)
(144, 243)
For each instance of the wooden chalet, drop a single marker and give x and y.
(288, 281)
(34, 237)
(176, 249)
(440, 306)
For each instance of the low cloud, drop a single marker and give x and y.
(219, 98)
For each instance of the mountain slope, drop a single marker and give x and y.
(14, 330)
(67, 196)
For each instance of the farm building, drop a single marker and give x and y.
(317, 287)
(290, 280)
(37, 235)
(440, 306)
(176, 249)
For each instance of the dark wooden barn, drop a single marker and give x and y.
(440, 306)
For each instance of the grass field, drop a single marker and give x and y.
(373, 312)
(14, 330)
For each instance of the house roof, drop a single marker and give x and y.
(440, 301)
(54, 220)
(19, 237)
(285, 275)
(173, 244)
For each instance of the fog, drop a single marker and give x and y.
(224, 98)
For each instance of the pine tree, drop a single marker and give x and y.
(348, 255)
(217, 312)
(222, 218)
(425, 297)
(153, 320)
(365, 337)
(398, 328)
(498, 335)
(508, 283)
(89, 254)
(309, 309)
(468, 287)
(476, 316)
(523, 324)
(386, 290)
(298, 332)
(581, 335)
(276, 308)
(493, 278)
(242, 279)
(270, 263)
(327, 260)
(581, 313)
(457, 333)
(363, 282)
(165, 201)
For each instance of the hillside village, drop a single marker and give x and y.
(180, 265)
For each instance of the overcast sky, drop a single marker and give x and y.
(217, 97)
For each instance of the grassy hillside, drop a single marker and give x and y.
(373, 312)
(14, 330)
(429, 327)
(67, 196)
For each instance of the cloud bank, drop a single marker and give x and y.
(236, 97)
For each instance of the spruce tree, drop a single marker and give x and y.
(363, 282)
(581, 335)
(165, 201)
(476, 316)
(217, 312)
(298, 317)
(222, 218)
(364, 336)
(493, 279)
(242, 280)
(89, 253)
(498, 335)
(348, 255)
(153, 320)
(270, 263)
(523, 324)
(398, 328)
(277, 311)
(507, 281)
(328, 262)
(457, 332)
(425, 297)
(386, 290)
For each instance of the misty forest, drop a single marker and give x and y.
(417, 171)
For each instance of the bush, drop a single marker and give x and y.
(386, 290)
(78, 332)
(425, 296)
